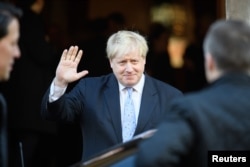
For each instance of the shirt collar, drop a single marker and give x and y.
(138, 87)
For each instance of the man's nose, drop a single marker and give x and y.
(17, 52)
(128, 66)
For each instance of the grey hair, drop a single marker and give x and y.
(228, 41)
(123, 42)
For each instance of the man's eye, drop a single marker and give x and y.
(122, 62)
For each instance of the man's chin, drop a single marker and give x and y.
(129, 83)
(4, 77)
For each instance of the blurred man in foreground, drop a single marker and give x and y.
(214, 119)
(9, 51)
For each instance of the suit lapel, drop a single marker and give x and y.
(148, 103)
(113, 102)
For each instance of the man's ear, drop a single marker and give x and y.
(211, 69)
(209, 62)
(110, 63)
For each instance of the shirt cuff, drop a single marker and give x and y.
(55, 92)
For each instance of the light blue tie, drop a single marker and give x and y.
(129, 119)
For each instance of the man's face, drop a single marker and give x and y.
(9, 50)
(128, 68)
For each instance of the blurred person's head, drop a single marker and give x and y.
(227, 48)
(126, 51)
(158, 37)
(115, 22)
(9, 35)
(34, 5)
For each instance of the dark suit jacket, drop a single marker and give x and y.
(95, 103)
(217, 118)
(3, 133)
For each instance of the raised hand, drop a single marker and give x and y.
(66, 71)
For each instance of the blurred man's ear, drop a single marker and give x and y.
(211, 69)
(209, 66)
(209, 62)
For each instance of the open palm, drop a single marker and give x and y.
(66, 71)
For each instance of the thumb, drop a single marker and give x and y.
(82, 74)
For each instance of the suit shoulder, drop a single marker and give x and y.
(192, 99)
(163, 85)
(99, 80)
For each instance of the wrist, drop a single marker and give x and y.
(60, 83)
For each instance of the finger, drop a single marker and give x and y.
(63, 57)
(70, 52)
(78, 56)
(82, 73)
(74, 53)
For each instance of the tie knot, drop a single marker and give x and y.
(129, 90)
